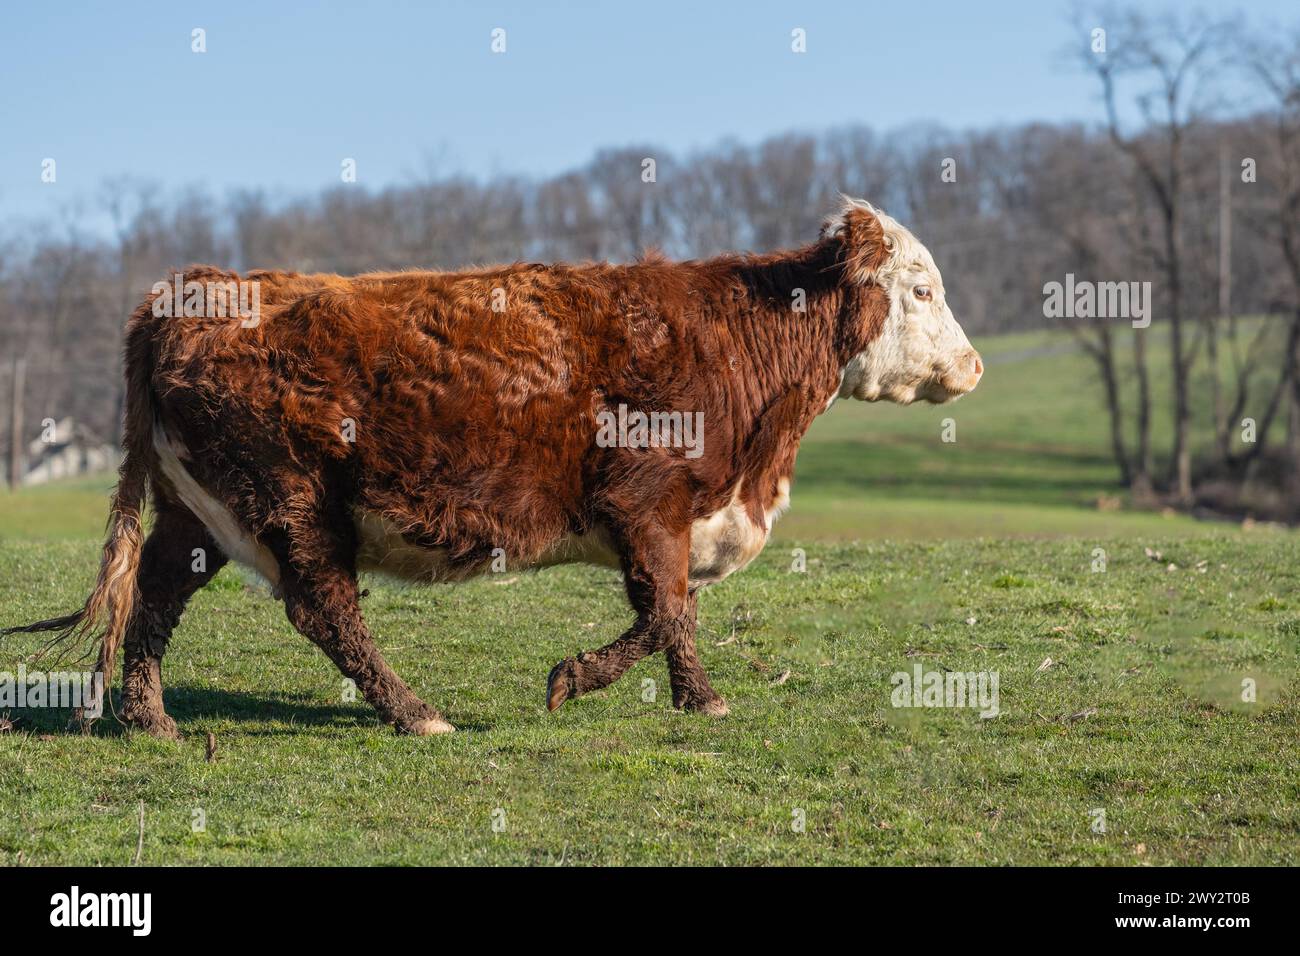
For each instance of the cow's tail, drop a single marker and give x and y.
(101, 622)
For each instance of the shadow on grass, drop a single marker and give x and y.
(283, 714)
(187, 705)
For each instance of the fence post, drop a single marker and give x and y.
(16, 425)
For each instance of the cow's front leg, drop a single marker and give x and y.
(592, 670)
(654, 570)
(691, 687)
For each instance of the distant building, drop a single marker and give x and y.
(65, 449)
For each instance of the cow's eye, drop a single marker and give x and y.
(923, 293)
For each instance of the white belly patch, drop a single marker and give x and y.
(235, 540)
(728, 539)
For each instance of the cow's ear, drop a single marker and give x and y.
(865, 245)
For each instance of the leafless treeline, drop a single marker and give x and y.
(1004, 211)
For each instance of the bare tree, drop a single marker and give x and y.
(1274, 62)
(1166, 57)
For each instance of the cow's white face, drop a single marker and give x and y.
(921, 352)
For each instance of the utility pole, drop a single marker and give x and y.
(1225, 234)
(16, 424)
(1222, 427)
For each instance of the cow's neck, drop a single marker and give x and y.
(790, 332)
(782, 346)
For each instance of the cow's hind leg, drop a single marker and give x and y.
(177, 559)
(321, 600)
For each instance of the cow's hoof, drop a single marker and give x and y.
(562, 683)
(713, 706)
(155, 723)
(426, 727)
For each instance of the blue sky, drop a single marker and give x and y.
(285, 91)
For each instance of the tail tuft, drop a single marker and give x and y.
(102, 621)
(104, 618)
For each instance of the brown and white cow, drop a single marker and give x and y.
(421, 423)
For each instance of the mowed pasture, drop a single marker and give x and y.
(1120, 689)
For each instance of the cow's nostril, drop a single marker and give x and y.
(979, 366)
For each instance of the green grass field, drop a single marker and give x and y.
(1121, 690)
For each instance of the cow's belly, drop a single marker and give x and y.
(382, 548)
(721, 544)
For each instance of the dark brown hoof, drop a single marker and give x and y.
(562, 683)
